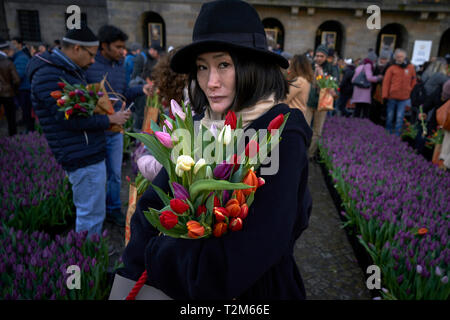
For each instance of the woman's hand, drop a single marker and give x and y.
(422, 116)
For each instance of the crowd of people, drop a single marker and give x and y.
(386, 89)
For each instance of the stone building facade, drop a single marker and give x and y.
(295, 25)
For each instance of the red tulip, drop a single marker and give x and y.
(61, 85)
(201, 210)
(276, 123)
(69, 112)
(252, 149)
(236, 224)
(261, 182)
(216, 202)
(72, 94)
(77, 106)
(178, 206)
(220, 228)
(83, 99)
(231, 119)
(220, 213)
(60, 102)
(233, 207)
(195, 229)
(168, 219)
(244, 211)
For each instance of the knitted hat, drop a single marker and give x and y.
(135, 46)
(322, 48)
(83, 36)
(385, 54)
(3, 43)
(372, 56)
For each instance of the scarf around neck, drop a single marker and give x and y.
(248, 114)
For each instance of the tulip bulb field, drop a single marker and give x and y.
(36, 204)
(398, 203)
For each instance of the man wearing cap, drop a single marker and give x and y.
(9, 83)
(78, 143)
(154, 53)
(321, 67)
(109, 62)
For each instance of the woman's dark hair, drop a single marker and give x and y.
(108, 34)
(300, 67)
(256, 79)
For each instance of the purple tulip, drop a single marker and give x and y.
(222, 171)
(179, 191)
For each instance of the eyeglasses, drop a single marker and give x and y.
(91, 55)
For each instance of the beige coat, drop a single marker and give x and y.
(298, 94)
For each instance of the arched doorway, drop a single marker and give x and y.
(444, 44)
(274, 32)
(391, 37)
(331, 33)
(153, 30)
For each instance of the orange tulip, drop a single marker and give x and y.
(220, 228)
(56, 94)
(239, 196)
(233, 207)
(422, 231)
(251, 180)
(244, 211)
(195, 229)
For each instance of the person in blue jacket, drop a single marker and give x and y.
(21, 59)
(109, 62)
(232, 69)
(78, 143)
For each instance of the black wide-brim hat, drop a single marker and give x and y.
(223, 24)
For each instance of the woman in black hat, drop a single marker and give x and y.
(230, 68)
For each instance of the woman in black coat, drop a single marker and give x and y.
(231, 69)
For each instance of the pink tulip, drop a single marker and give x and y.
(168, 124)
(176, 109)
(164, 138)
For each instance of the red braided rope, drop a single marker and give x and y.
(137, 286)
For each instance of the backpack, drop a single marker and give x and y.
(361, 80)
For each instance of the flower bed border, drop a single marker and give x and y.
(362, 256)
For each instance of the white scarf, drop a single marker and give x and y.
(248, 114)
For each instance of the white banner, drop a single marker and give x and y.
(421, 52)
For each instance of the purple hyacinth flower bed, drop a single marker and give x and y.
(35, 194)
(398, 203)
(34, 267)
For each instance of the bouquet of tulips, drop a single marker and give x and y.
(76, 99)
(327, 82)
(210, 195)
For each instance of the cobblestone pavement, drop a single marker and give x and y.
(323, 254)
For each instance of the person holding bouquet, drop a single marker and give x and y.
(314, 116)
(231, 69)
(77, 142)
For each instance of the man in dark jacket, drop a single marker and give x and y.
(345, 88)
(78, 143)
(110, 63)
(21, 59)
(9, 82)
(321, 67)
